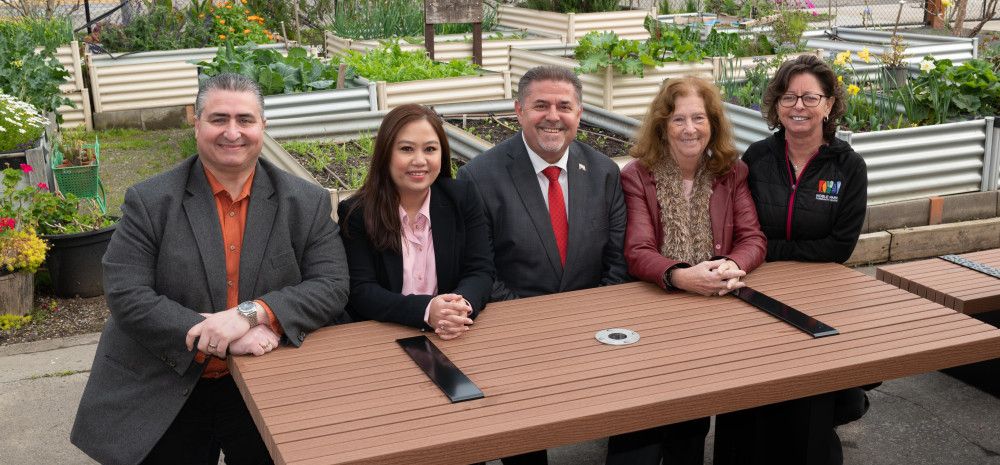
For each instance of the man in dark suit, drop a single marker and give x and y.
(223, 254)
(554, 206)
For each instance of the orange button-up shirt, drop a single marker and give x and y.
(233, 219)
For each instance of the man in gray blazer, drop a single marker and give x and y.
(554, 206)
(222, 254)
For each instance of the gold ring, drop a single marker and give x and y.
(213, 346)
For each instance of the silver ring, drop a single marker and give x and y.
(213, 346)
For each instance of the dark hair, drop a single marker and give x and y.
(549, 73)
(803, 64)
(227, 81)
(651, 139)
(378, 197)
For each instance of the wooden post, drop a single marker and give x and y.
(933, 12)
(454, 11)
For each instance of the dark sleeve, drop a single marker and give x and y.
(477, 270)
(148, 317)
(370, 298)
(615, 268)
(500, 291)
(749, 243)
(838, 245)
(641, 250)
(321, 296)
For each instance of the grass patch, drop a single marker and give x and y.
(59, 374)
(129, 156)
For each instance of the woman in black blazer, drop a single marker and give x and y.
(409, 206)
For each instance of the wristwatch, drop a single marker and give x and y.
(248, 310)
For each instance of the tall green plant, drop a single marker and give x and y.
(385, 19)
(29, 75)
(46, 33)
(158, 28)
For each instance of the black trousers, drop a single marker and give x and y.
(213, 418)
(677, 444)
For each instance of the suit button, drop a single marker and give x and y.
(186, 392)
(171, 363)
(302, 337)
(163, 357)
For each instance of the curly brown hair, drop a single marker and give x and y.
(810, 64)
(651, 139)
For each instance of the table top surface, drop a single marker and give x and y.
(351, 395)
(949, 284)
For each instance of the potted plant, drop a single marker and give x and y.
(21, 250)
(76, 230)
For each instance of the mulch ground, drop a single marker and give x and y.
(54, 317)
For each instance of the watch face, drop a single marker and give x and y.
(246, 307)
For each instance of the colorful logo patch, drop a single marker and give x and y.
(829, 187)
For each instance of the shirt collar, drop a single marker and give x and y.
(217, 187)
(425, 210)
(540, 164)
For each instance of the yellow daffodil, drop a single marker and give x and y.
(865, 55)
(853, 90)
(945, 3)
(926, 66)
(842, 58)
(840, 80)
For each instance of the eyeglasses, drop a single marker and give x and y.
(809, 100)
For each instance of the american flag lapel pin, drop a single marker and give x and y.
(582, 166)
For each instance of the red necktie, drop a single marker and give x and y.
(557, 211)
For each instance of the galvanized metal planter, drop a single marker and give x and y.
(839, 39)
(908, 163)
(487, 86)
(628, 95)
(147, 79)
(280, 108)
(450, 47)
(573, 26)
(73, 89)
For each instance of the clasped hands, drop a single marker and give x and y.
(713, 277)
(227, 332)
(449, 315)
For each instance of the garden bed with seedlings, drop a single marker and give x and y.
(336, 165)
(497, 128)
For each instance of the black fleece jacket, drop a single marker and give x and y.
(820, 219)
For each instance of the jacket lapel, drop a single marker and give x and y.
(199, 206)
(443, 232)
(576, 180)
(260, 220)
(525, 181)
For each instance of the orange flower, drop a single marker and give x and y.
(222, 37)
(243, 2)
(222, 21)
(229, 7)
(246, 31)
(201, 16)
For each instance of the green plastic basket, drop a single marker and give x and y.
(81, 181)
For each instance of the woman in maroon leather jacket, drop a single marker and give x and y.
(692, 224)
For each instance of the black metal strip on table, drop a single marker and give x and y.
(785, 313)
(972, 265)
(440, 369)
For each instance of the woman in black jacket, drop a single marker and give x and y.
(810, 190)
(417, 242)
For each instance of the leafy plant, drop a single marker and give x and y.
(20, 124)
(949, 92)
(391, 64)
(274, 72)
(235, 23)
(45, 212)
(692, 6)
(159, 27)
(29, 75)
(789, 26)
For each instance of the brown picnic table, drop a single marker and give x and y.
(954, 286)
(351, 395)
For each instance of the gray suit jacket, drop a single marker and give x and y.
(166, 263)
(524, 246)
